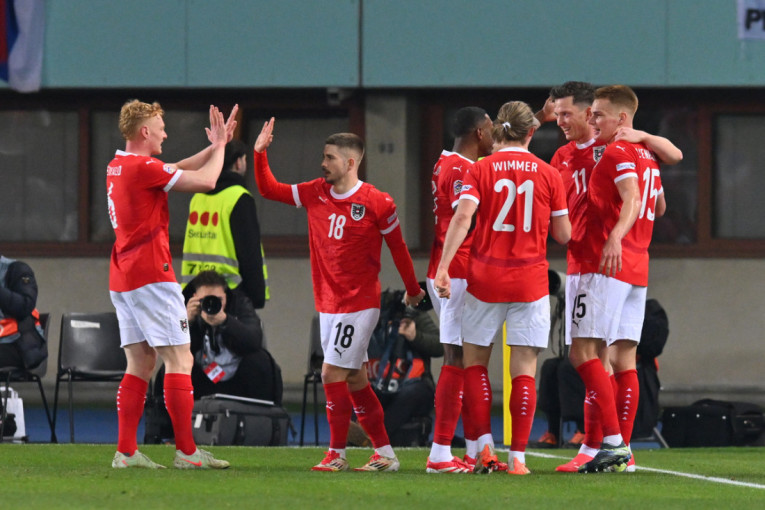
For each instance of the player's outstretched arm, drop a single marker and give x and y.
(666, 151)
(458, 230)
(196, 161)
(266, 136)
(205, 178)
(268, 186)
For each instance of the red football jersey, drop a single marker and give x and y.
(345, 235)
(136, 191)
(575, 163)
(446, 185)
(517, 193)
(622, 160)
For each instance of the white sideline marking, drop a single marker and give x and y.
(714, 479)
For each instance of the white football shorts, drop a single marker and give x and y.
(606, 308)
(155, 313)
(449, 311)
(345, 337)
(528, 324)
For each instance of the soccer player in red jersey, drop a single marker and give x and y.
(570, 106)
(472, 140)
(142, 284)
(347, 222)
(516, 199)
(625, 196)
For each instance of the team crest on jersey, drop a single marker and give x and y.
(597, 152)
(184, 325)
(457, 187)
(357, 211)
(168, 169)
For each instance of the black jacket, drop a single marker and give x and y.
(18, 295)
(246, 233)
(242, 332)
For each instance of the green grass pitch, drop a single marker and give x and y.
(80, 476)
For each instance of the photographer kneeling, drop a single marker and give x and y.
(227, 343)
(399, 354)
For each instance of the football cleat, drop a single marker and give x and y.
(631, 465)
(572, 466)
(519, 468)
(200, 459)
(576, 440)
(616, 456)
(137, 460)
(331, 462)
(486, 460)
(548, 440)
(451, 466)
(379, 463)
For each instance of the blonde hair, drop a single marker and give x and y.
(134, 113)
(620, 96)
(513, 123)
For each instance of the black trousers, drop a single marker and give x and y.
(255, 378)
(414, 399)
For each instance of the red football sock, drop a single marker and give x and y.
(448, 404)
(477, 400)
(370, 414)
(338, 413)
(600, 393)
(131, 396)
(468, 422)
(593, 429)
(627, 401)
(523, 403)
(179, 401)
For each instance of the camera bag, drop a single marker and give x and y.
(224, 421)
(710, 422)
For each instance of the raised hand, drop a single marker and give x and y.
(231, 123)
(217, 133)
(266, 136)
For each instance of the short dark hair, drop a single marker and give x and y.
(581, 92)
(466, 120)
(346, 141)
(209, 279)
(235, 149)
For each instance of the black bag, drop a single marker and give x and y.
(710, 422)
(218, 421)
(158, 427)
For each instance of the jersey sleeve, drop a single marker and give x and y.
(469, 190)
(557, 194)
(390, 228)
(619, 161)
(451, 184)
(157, 174)
(268, 186)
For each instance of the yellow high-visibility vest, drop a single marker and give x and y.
(208, 243)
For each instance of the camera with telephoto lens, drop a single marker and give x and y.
(399, 310)
(211, 304)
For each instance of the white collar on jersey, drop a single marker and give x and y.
(347, 193)
(585, 144)
(123, 153)
(513, 149)
(450, 153)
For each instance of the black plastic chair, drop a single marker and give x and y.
(315, 361)
(89, 351)
(16, 374)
